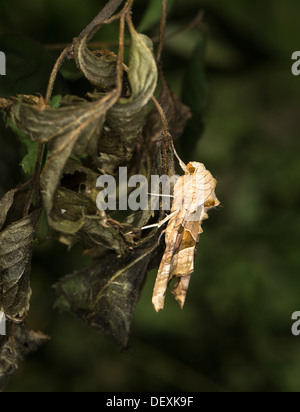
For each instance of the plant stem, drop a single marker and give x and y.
(104, 14)
(163, 22)
(112, 43)
(89, 32)
(54, 72)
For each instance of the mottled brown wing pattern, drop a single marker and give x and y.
(192, 199)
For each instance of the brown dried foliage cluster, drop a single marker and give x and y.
(77, 141)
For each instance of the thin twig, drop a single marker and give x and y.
(54, 72)
(104, 15)
(121, 54)
(120, 64)
(194, 23)
(165, 133)
(113, 43)
(89, 31)
(162, 115)
(163, 22)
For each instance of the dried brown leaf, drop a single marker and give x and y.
(5, 204)
(104, 295)
(128, 117)
(18, 342)
(177, 115)
(100, 70)
(74, 128)
(15, 265)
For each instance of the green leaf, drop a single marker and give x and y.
(29, 161)
(55, 101)
(153, 14)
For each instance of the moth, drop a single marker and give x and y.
(194, 196)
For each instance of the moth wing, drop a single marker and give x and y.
(173, 237)
(181, 288)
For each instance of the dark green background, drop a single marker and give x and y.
(234, 333)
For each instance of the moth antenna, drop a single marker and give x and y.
(160, 236)
(181, 163)
(161, 223)
(160, 195)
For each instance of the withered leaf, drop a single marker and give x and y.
(128, 117)
(75, 199)
(75, 214)
(87, 184)
(69, 211)
(18, 342)
(5, 104)
(74, 128)
(101, 71)
(104, 295)
(15, 265)
(5, 204)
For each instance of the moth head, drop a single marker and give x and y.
(195, 167)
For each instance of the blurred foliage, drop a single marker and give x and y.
(234, 332)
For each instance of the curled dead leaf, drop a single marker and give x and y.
(74, 128)
(128, 117)
(104, 295)
(100, 70)
(15, 266)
